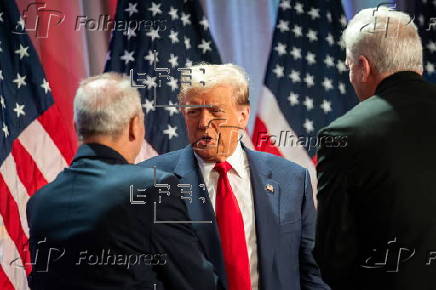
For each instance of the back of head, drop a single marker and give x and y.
(387, 38)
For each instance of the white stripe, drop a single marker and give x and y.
(146, 152)
(276, 123)
(9, 172)
(44, 152)
(8, 253)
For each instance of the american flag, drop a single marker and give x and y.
(177, 36)
(425, 19)
(306, 83)
(34, 148)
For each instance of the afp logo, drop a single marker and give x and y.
(38, 19)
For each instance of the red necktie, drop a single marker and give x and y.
(231, 228)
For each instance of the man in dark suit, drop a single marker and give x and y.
(94, 226)
(254, 211)
(376, 198)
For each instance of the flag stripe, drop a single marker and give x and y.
(5, 283)
(18, 192)
(46, 155)
(9, 211)
(28, 172)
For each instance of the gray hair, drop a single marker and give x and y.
(205, 75)
(387, 38)
(104, 105)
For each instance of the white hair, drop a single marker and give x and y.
(205, 75)
(387, 38)
(104, 105)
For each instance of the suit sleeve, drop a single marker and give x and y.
(336, 238)
(185, 266)
(310, 276)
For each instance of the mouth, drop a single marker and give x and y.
(204, 141)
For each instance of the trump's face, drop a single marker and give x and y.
(213, 131)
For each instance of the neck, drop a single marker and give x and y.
(114, 143)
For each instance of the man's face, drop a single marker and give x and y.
(213, 131)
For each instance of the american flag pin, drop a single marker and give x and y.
(269, 187)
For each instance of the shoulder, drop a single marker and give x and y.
(276, 163)
(165, 161)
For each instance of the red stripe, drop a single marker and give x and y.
(55, 127)
(261, 138)
(5, 283)
(27, 170)
(11, 219)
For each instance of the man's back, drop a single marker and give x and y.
(85, 228)
(376, 199)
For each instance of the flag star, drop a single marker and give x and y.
(1, 75)
(341, 44)
(173, 60)
(329, 38)
(155, 8)
(1, 49)
(149, 106)
(174, 36)
(308, 102)
(310, 58)
(308, 125)
(421, 19)
(296, 53)
(19, 109)
(171, 110)
(343, 20)
(283, 25)
(299, 8)
(285, 5)
(314, 13)
(21, 23)
(298, 31)
(173, 84)
(188, 62)
(327, 84)
(329, 61)
(280, 48)
(279, 71)
(22, 51)
(205, 46)
(429, 68)
(342, 88)
(127, 57)
(173, 13)
(129, 32)
(1, 16)
(326, 106)
(5, 130)
(341, 66)
(312, 35)
(187, 42)
(150, 56)
(295, 76)
(2, 102)
(204, 23)
(20, 80)
(185, 19)
(150, 82)
(154, 33)
(431, 46)
(171, 131)
(309, 80)
(329, 16)
(293, 99)
(132, 9)
(46, 86)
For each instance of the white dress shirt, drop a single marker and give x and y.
(239, 178)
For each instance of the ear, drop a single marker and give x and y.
(134, 127)
(365, 68)
(244, 115)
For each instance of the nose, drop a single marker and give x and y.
(204, 120)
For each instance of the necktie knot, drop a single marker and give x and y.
(222, 167)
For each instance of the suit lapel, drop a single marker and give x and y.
(189, 173)
(266, 193)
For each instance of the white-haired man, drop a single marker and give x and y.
(376, 198)
(93, 226)
(260, 206)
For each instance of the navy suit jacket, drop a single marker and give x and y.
(285, 218)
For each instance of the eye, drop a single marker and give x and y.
(192, 112)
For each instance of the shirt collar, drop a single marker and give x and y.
(238, 160)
